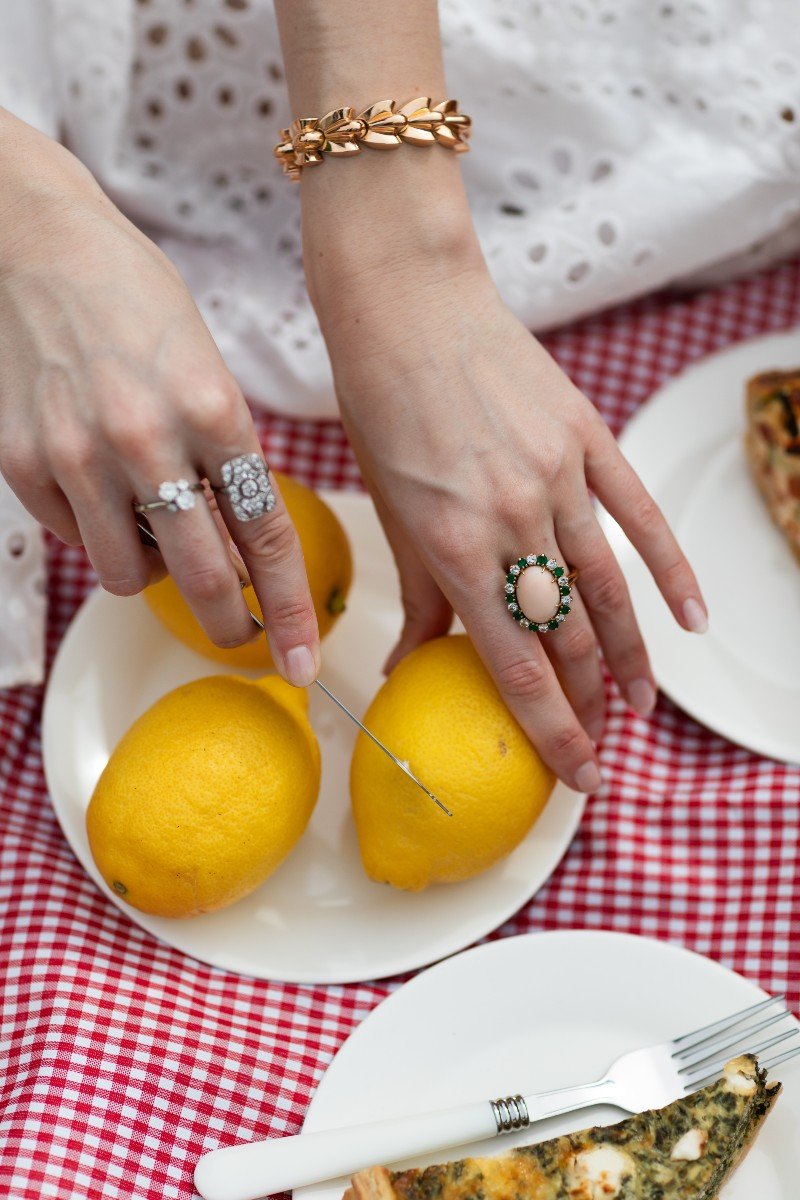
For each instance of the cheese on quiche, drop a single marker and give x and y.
(772, 445)
(685, 1151)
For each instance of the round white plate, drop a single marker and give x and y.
(742, 678)
(541, 1011)
(318, 919)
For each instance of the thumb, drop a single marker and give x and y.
(427, 614)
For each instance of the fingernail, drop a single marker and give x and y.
(301, 670)
(588, 778)
(695, 616)
(642, 696)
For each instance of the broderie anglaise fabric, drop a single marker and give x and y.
(618, 146)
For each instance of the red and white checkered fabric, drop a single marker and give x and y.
(121, 1061)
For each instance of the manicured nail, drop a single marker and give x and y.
(301, 670)
(695, 616)
(642, 696)
(588, 778)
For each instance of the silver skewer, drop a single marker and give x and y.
(400, 762)
(149, 539)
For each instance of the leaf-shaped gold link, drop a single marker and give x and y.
(382, 126)
(341, 128)
(454, 125)
(419, 122)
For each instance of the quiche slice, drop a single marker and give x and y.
(685, 1151)
(772, 446)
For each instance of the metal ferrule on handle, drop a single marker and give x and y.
(510, 1113)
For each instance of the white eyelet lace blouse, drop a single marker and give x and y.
(618, 145)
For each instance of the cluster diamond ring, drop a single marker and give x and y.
(538, 592)
(246, 483)
(175, 496)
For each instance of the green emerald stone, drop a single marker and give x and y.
(511, 578)
(564, 589)
(518, 615)
(557, 571)
(564, 609)
(522, 563)
(552, 624)
(541, 560)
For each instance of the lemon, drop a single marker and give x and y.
(440, 711)
(329, 565)
(205, 795)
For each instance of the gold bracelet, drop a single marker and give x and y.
(382, 126)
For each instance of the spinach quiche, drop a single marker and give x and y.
(772, 446)
(685, 1151)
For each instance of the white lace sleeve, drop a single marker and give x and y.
(22, 593)
(27, 90)
(27, 81)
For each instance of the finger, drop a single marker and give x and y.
(574, 653)
(604, 593)
(197, 558)
(526, 678)
(108, 529)
(427, 612)
(267, 540)
(45, 501)
(625, 497)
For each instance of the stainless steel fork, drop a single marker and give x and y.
(647, 1078)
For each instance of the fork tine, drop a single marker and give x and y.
(725, 1023)
(694, 1075)
(781, 1058)
(700, 1051)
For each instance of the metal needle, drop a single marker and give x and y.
(398, 762)
(149, 539)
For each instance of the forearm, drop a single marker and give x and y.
(42, 188)
(378, 211)
(338, 52)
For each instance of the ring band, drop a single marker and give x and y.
(177, 496)
(246, 483)
(538, 592)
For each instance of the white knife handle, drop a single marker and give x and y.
(257, 1169)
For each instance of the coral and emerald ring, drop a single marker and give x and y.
(538, 592)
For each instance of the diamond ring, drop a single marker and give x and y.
(538, 592)
(177, 496)
(245, 481)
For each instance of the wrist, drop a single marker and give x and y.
(382, 219)
(41, 185)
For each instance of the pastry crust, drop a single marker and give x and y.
(685, 1151)
(772, 447)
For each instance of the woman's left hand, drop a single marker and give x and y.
(478, 449)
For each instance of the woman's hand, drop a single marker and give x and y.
(110, 384)
(478, 449)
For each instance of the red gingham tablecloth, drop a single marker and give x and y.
(121, 1061)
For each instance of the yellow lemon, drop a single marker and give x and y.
(440, 711)
(205, 795)
(329, 565)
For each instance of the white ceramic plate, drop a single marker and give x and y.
(318, 919)
(540, 1011)
(742, 679)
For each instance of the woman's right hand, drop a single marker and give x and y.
(110, 384)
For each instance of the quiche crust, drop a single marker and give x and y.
(772, 447)
(685, 1151)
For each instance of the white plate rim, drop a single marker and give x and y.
(483, 924)
(748, 735)
(480, 956)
